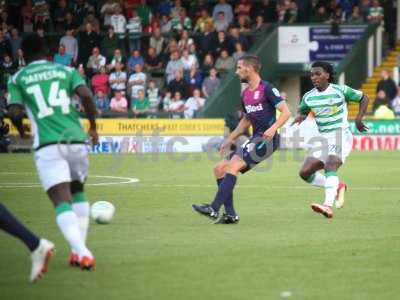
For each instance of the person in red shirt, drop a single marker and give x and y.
(100, 81)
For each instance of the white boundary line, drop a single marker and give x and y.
(11, 185)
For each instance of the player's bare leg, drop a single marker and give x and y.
(225, 189)
(309, 172)
(332, 164)
(68, 223)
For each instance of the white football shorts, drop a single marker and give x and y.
(62, 163)
(338, 143)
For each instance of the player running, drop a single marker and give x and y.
(328, 103)
(46, 89)
(41, 249)
(259, 101)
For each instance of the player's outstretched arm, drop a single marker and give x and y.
(283, 117)
(243, 125)
(90, 109)
(16, 114)
(362, 109)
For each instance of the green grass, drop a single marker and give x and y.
(157, 248)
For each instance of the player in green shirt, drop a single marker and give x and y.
(328, 103)
(45, 90)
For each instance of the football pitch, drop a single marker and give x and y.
(158, 248)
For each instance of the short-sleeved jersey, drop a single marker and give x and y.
(259, 105)
(330, 106)
(46, 90)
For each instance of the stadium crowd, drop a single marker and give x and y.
(158, 58)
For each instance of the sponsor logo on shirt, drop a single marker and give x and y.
(253, 108)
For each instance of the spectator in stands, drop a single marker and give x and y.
(140, 106)
(95, 62)
(116, 58)
(91, 18)
(137, 81)
(221, 23)
(164, 8)
(188, 60)
(356, 17)
(134, 28)
(185, 41)
(71, 44)
(208, 64)
(101, 101)
(193, 104)
(177, 105)
(107, 10)
(206, 40)
(181, 21)
(244, 24)
(118, 22)
(259, 25)
(267, 9)
(166, 25)
(135, 59)
(70, 22)
(145, 14)
(221, 44)
(153, 61)
(167, 100)
(381, 99)
(243, 8)
(118, 103)
(173, 65)
(41, 15)
(82, 72)
(81, 9)
(235, 36)
(291, 13)
(224, 63)
(387, 84)
(7, 69)
(203, 20)
(157, 41)
(224, 7)
(118, 78)
(375, 12)
(20, 60)
(210, 84)
(194, 79)
(320, 15)
(395, 104)
(5, 46)
(239, 52)
(59, 15)
(153, 95)
(383, 112)
(100, 81)
(27, 17)
(178, 84)
(88, 39)
(62, 57)
(110, 43)
(15, 42)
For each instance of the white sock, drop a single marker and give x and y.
(68, 223)
(81, 209)
(318, 180)
(331, 185)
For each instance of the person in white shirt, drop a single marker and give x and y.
(96, 61)
(153, 95)
(193, 104)
(188, 60)
(176, 107)
(118, 21)
(117, 79)
(137, 81)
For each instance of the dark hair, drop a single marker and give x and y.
(33, 47)
(252, 60)
(326, 66)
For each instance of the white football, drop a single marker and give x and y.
(102, 212)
